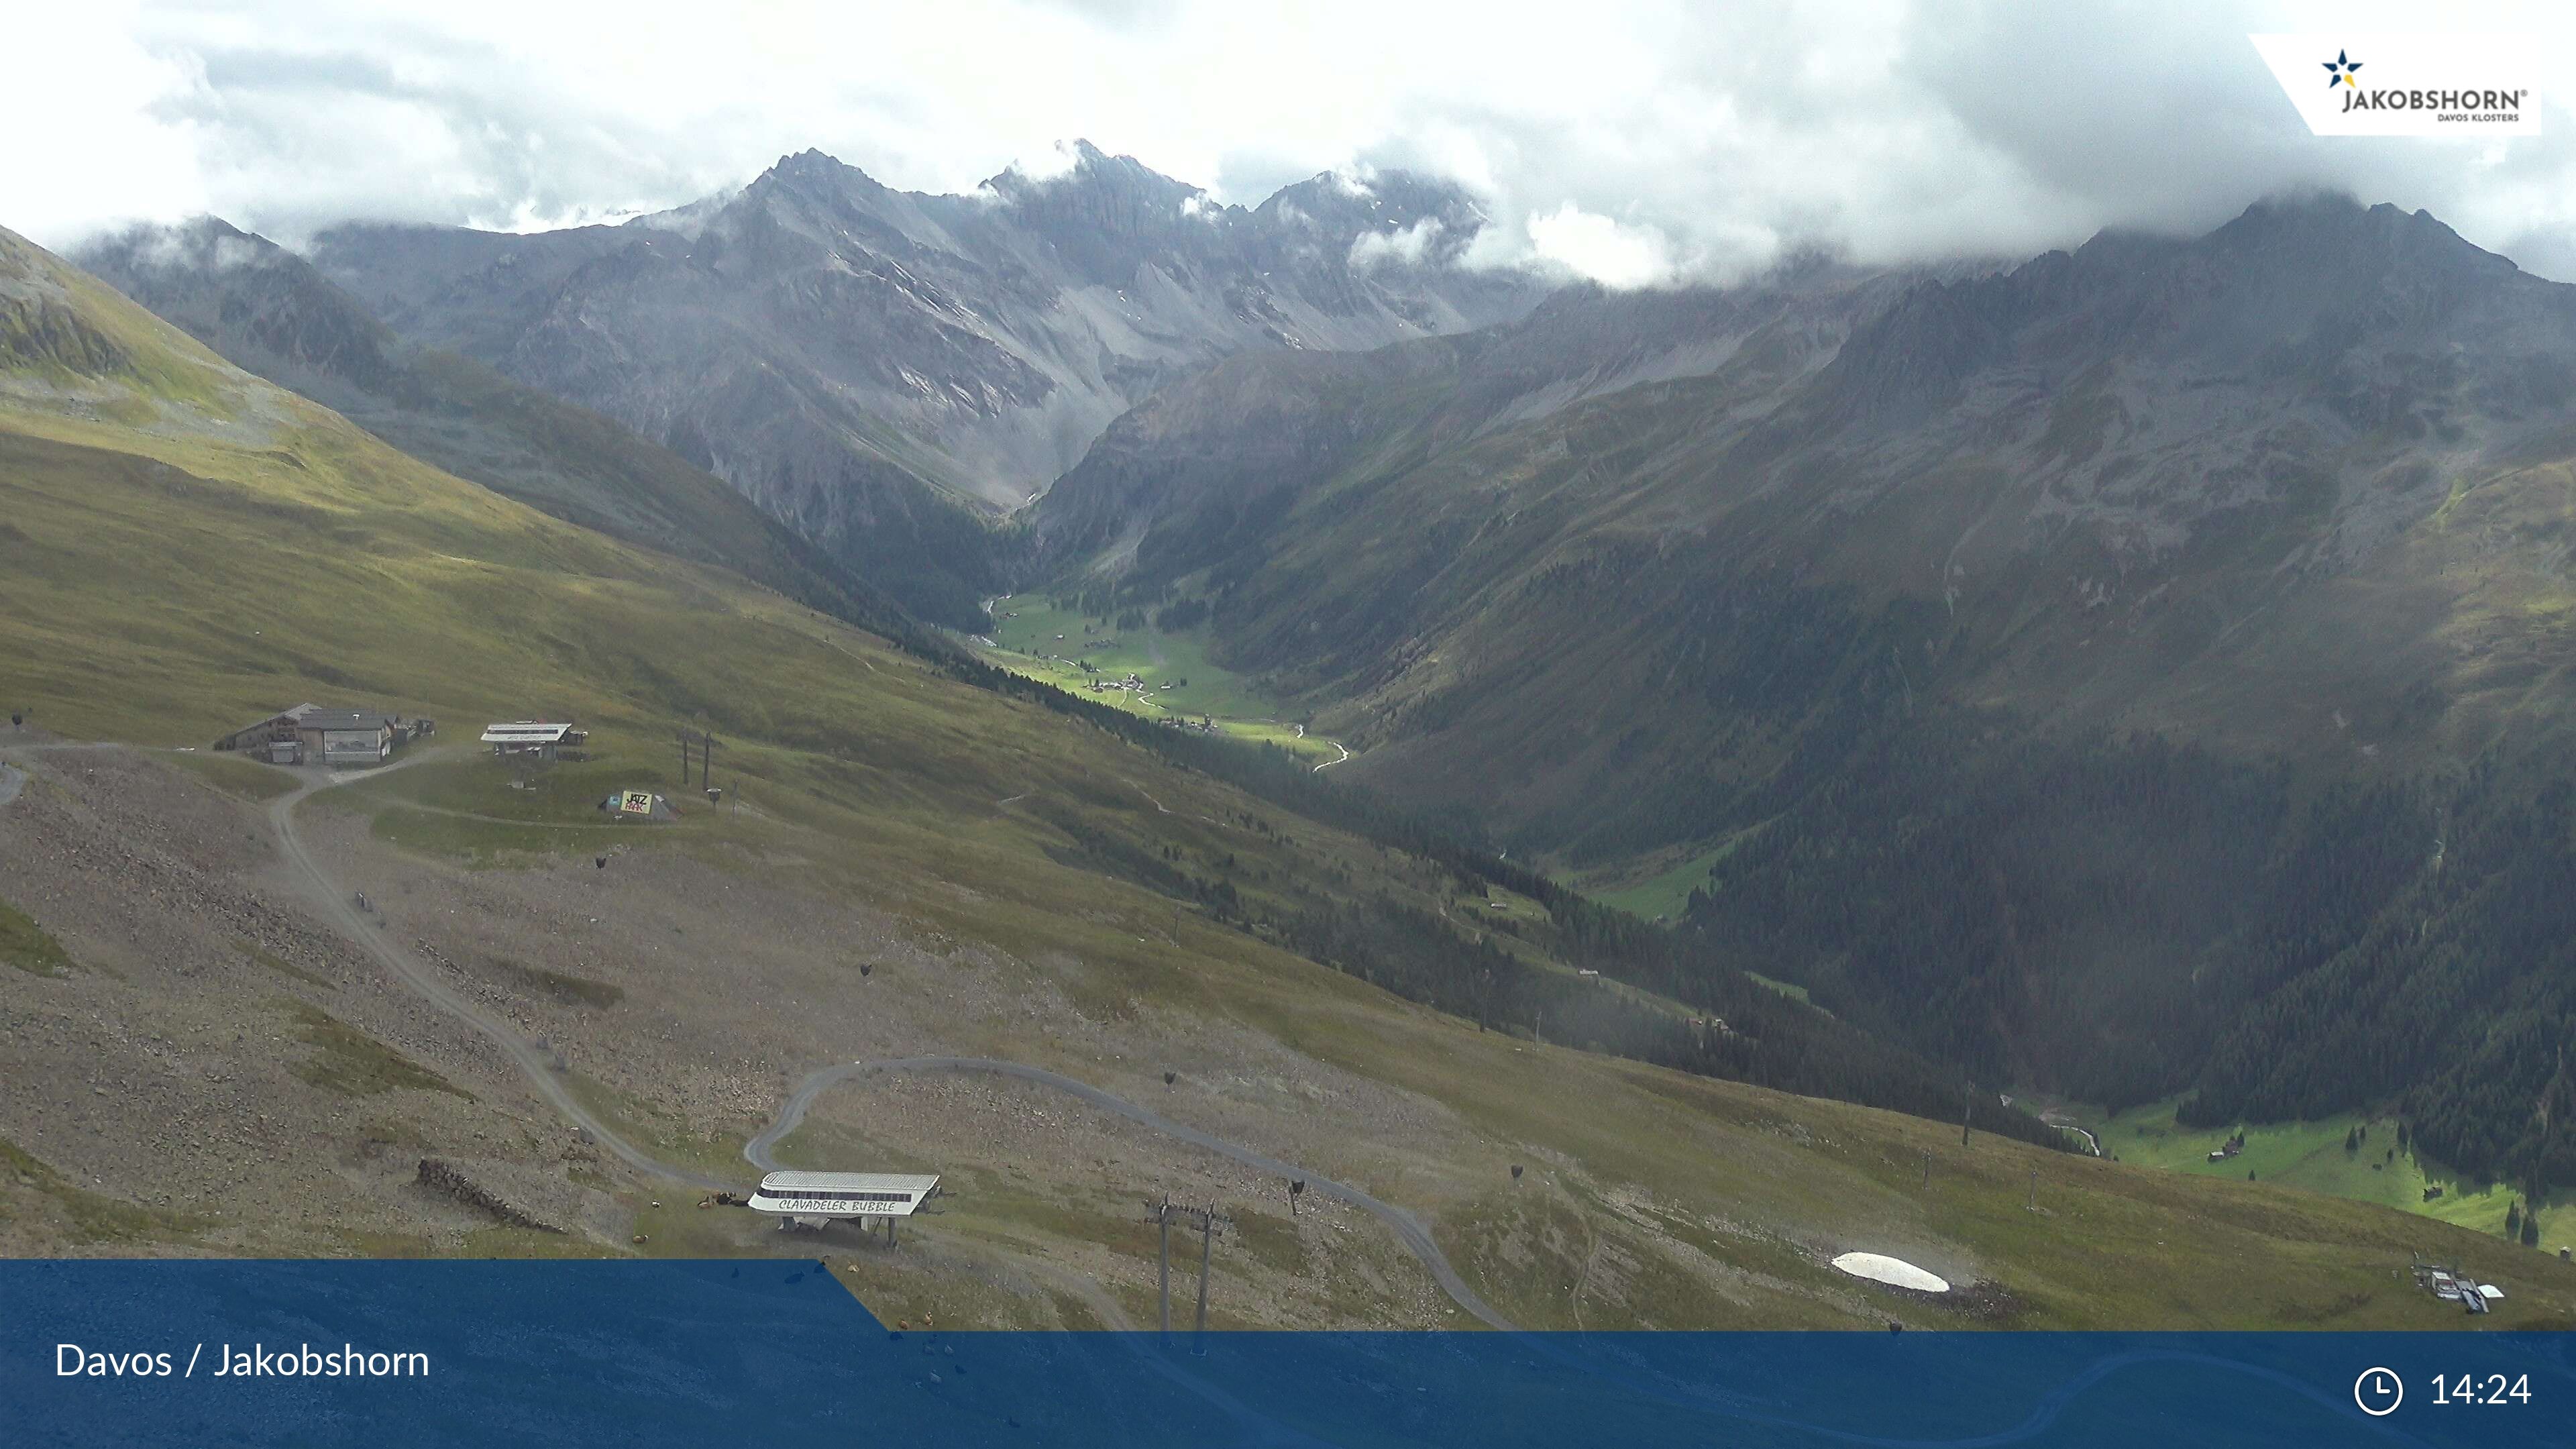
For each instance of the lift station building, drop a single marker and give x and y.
(540, 738)
(812, 1199)
(316, 734)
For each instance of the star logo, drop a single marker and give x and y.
(2339, 71)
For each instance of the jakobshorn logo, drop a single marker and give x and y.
(2418, 85)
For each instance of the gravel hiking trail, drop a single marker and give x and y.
(340, 910)
(337, 907)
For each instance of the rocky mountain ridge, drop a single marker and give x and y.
(271, 313)
(2095, 671)
(887, 372)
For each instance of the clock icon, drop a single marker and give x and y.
(2378, 1391)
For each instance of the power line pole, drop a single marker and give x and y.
(1967, 1110)
(1160, 1214)
(1207, 1238)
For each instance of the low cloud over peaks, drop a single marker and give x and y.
(1634, 146)
(1407, 246)
(1600, 249)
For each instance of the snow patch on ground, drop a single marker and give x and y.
(1895, 1272)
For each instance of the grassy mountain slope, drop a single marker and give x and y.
(2075, 669)
(187, 546)
(268, 311)
(273, 308)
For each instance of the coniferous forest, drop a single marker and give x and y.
(2125, 920)
(2118, 918)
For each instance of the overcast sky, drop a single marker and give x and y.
(1632, 143)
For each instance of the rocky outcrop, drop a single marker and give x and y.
(884, 370)
(513, 1195)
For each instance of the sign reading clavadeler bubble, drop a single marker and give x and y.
(2377, 84)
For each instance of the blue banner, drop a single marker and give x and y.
(777, 1354)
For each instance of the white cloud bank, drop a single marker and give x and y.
(1633, 143)
(1607, 251)
(1406, 246)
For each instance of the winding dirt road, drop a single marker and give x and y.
(339, 907)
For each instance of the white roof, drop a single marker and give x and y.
(2489, 1290)
(844, 1194)
(782, 1182)
(525, 732)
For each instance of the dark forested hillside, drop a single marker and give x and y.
(2456, 996)
(2135, 672)
(2131, 919)
(1704, 1015)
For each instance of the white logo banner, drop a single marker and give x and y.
(2376, 84)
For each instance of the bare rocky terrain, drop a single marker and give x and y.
(220, 1072)
(213, 1066)
(187, 1063)
(877, 368)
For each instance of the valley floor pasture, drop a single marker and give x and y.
(1173, 678)
(2311, 1156)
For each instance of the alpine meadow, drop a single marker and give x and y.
(1788, 712)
